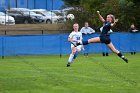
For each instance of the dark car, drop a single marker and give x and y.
(26, 16)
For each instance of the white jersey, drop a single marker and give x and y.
(76, 36)
(87, 30)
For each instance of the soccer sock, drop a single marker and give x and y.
(120, 55)
(75, 55)
(70, 58)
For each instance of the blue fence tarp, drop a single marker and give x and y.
(31, 4)
(58, 44)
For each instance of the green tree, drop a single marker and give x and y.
(72, 2)
(127, 11)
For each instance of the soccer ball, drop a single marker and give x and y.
(70, 16)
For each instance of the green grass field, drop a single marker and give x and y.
(49, 74)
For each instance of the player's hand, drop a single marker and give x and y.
(75, 41)
(85, 33)
(98, 12)
(116, 20)
(90, 33)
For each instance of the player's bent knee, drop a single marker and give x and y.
(74, 51)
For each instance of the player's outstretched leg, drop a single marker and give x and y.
(111, 46)
(92, 40)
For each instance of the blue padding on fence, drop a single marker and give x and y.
(58, 44)
(31, 4)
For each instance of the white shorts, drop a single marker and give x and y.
(79, 48)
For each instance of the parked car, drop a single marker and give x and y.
(6, 20)
(61, 14)
(23, 15)
(50, 17)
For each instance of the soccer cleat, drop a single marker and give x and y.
(125, 59)
(79, 43)
(68, 65)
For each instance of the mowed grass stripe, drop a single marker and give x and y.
(49, 74)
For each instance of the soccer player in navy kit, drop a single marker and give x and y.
(104, 36)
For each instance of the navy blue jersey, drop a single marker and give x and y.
(106, 28)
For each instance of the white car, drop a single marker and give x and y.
(51, 17)
(62, 15)
(6, 20)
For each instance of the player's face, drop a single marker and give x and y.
(86, 24)
(76, 27)
(132, 26)
(109, 18)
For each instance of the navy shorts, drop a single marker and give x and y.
(105, 39)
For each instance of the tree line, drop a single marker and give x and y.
(127, 11)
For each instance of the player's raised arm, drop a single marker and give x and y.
(101, 18)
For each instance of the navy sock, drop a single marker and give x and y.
(120, 55)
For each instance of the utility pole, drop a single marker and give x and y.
(34, 4)
(8, 4)
(46, 4)
(16, 3)
(51, 11)
(52, 4)
(27, 3)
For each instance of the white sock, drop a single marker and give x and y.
(70, 58)
(122, 56)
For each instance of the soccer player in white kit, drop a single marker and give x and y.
(74, 37)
